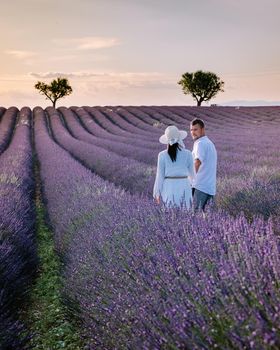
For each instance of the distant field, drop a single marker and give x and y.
(136, 275)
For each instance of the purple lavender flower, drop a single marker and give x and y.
(18, 251)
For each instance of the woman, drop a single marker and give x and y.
(174, 170)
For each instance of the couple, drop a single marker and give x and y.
(185, 178)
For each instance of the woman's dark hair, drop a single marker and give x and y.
(198, 121)
(172, 151)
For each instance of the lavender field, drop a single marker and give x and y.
(136, 275)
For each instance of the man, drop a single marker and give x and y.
(205, 164)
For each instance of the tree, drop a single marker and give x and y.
(58, 88)
(203, 86)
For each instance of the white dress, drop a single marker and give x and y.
(174, 191)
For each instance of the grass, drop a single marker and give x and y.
(47, 315)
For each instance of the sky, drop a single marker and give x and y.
(134, 52)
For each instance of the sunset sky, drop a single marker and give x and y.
(133, 52)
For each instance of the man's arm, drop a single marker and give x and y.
(197, 164)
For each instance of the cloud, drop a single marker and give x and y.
(253, 74)
(88, 42)
(52, 75)
(58, 58)
(117, 80)
(19, 97)
(89, 74)
(20, 54)
(88, 85)
(25, 57)
(14, 92)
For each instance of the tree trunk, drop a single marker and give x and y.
(54, 102)
(199, 103)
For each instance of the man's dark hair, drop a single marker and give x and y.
(198, 121)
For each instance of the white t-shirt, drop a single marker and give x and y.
(205, 178)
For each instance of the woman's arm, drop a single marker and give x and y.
(159, 178)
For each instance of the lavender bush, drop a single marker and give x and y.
(120, 131)
(107, 124)
(125, 124)
(138, 122)
(147, 278)
(122, 149)
(99, 130)
(134, 176)
(2, 110)
(7, 125)
(150, 117)
(18, 253)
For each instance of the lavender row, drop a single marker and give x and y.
(239, 115)
(142, 117)
(151, 116)
(125, 150)
(156, 115)
(120, 129)
(105, 123)
(160, 120)
(18, 252)
(8, 121)
(134, 176)
(140, 276)
(69, 189)
(211, 116)
(130, 117)
(231, 116)
(124, 123)
(2, 110)
(175, 118)
(214, 121)
(148, 118)
(147, 279)
(97, 130)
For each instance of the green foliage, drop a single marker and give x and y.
(203, 86)
(57, 89)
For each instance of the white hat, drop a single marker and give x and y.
(173, 135)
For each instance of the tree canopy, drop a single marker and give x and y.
(203, 86)
(57, 89)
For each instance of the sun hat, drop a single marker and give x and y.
(173, 135)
